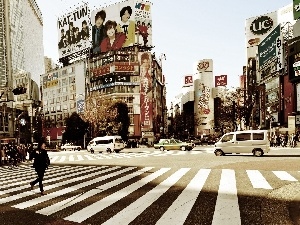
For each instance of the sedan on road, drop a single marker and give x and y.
(70, 147)
(173, 144)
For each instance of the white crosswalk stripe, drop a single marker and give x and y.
(103, 187)
(69, 157)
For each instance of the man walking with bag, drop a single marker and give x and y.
(40, 164)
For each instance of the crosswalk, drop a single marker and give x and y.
(62, 157)
(133, 195)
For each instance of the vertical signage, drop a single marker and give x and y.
(146, 101)
(296, 9)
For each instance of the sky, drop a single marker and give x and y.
(185, 31)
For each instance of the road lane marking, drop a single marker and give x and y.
(283, 175)
(78, 198)
(96, 207)
(257, 179)
(181, 207)
(227, 205)
(128, 214)
(55, 194)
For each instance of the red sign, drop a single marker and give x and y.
(101, 70)
(188, 80)
(124, 68)
(243, 81)
(221, 80)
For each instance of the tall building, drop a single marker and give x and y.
(62, 92)
(21, 59)
(21, 41)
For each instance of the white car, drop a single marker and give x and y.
(70, 147)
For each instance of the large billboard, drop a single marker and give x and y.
(121, 25)
(146, 101)
(271, 48)
(257, 28)
(296, 7)
(73, 31)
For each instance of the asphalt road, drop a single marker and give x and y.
(147, 186)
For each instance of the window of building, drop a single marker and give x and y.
(72, 106)
(72, 96)
(71, 69)
(130, 109)
(65, 98)
(58, 108)
(64, 72)
(64, 82)
(131, 118)
(64, 89)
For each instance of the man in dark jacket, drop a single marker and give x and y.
(40, 164)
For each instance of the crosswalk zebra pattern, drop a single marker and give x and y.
(69, 157)
(139, 195)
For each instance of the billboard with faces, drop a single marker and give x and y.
(73, 31)
(121, 25)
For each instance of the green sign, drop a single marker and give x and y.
(296, 9)
(267, 48)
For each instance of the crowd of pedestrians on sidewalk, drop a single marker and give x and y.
(12, 153)
(284, 140)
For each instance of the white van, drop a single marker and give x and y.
(248, 141)
(106, 143)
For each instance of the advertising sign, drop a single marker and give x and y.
(188, 81)
(146, 86)
(51, 80)
(121, 25)
(220, 80)
(257, 28)
(296, 67)
(271, 47)
(296, 9)
(205, 65)
(73, 31)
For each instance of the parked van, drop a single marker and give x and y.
(106, 143)
(248, 141)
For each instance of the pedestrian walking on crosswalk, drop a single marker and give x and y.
(40, 164)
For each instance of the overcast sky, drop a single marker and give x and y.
(185, 31)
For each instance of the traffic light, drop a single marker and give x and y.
(19, 90)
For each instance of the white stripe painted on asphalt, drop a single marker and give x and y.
(62, 158)
(79, 158)
(54, 158)
(55, 194)
(96, 207)
(78, 198)
(29, 193)
(283, 175)
(227, 205)
(128, 214)
(257, 179)
(181, 207)
(89, 157)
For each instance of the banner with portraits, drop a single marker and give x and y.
(74, 31)
(121, 25)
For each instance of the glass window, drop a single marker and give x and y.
(243, 137)
(227, 137)
(258, 136)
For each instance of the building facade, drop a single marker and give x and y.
(63, 90)
(20, 23)
(134, 77)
